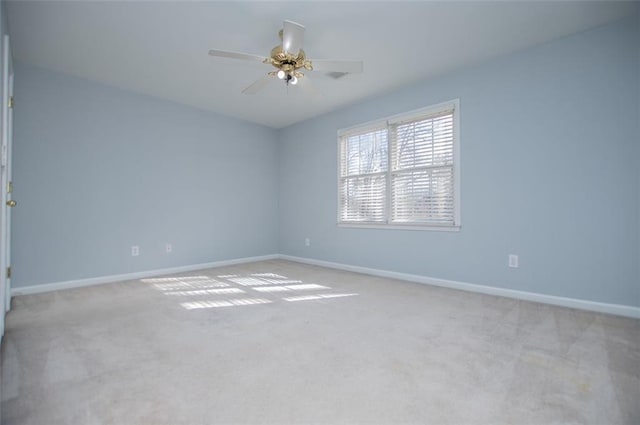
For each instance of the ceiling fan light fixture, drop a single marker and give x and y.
(294, 80)
(281, 74)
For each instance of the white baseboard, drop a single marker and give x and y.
(616, 309)
(56, 286)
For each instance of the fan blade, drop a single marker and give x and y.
(292, 37)
(258, 85)
(236, 55)
(351, 67)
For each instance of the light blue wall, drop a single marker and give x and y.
(550, 171)
(97, 170)
(550, 149)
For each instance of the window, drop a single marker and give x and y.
(402, 172)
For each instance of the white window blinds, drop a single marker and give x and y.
(401, 171)
(422, 170)
(363, 182)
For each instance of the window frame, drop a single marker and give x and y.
(386, 123)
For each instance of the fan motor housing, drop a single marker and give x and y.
(287, 62)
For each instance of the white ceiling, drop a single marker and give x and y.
(160, 48)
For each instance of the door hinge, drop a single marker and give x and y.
(10, 187)
(11, 102)
(8, 272)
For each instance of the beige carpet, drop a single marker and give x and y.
(280, 342)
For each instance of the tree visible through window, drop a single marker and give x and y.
(401, 171)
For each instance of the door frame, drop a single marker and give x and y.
(6, 176)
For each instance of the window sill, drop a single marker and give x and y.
(401, 227)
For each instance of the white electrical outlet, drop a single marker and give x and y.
(168, 248)
(513, 261)
(307, 242)
(135, 251)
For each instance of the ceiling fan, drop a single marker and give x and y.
(289, 59)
